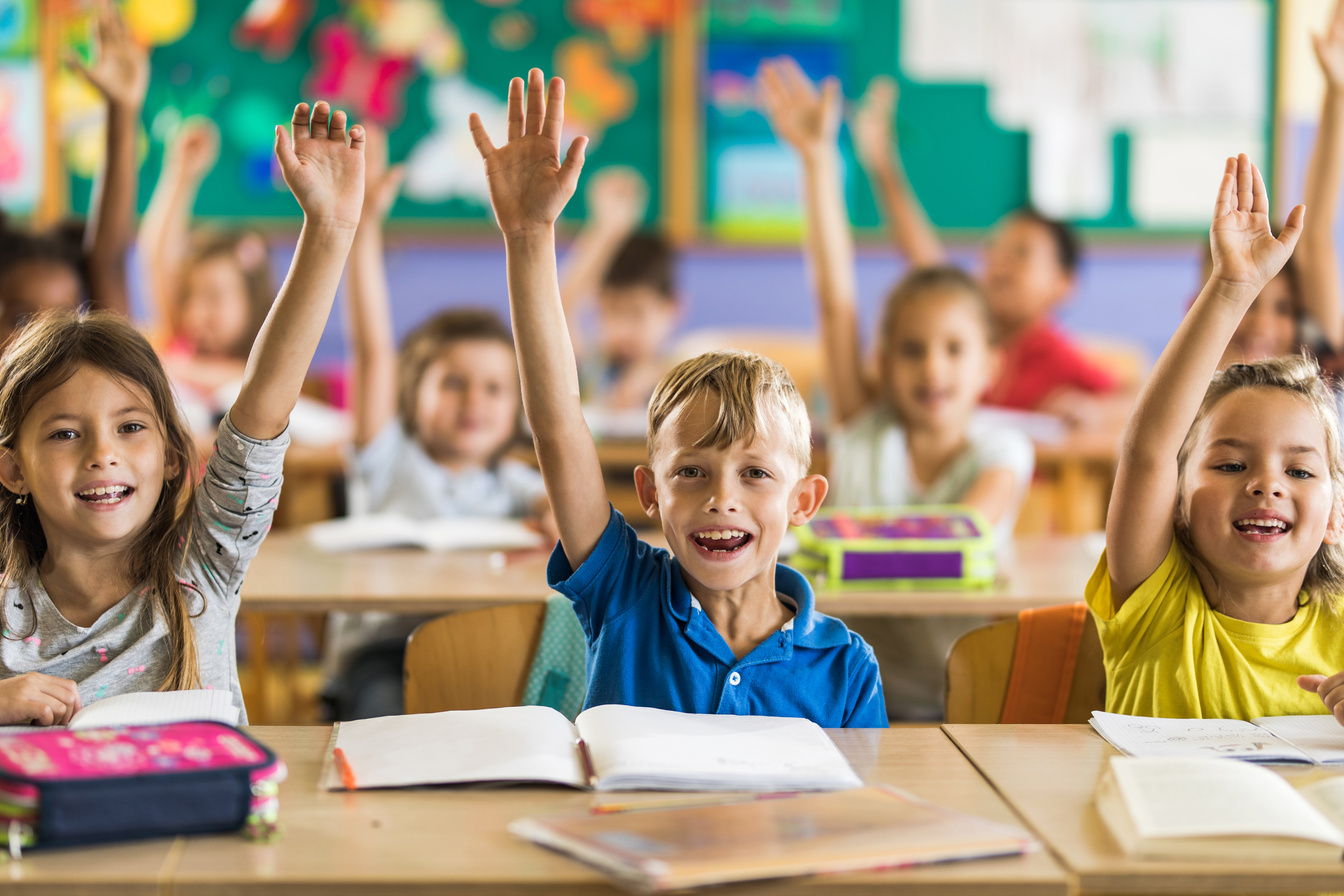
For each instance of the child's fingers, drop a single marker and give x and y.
(515, 109)
(554, 121)
(284, 148)
(1310, 682)
(536, 103)
(321, 120)
(1292, 228)
(1223, 205)
(1260, 196)
(299, 123)
(478, 134)
(795, 79)
(337, 129)
(830, 92)
(358, 139)
(1245, 195)
(573, 163)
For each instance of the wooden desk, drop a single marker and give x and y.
(290, 575)
(423, 840)
(1048, 772)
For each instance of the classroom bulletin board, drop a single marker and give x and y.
(1104, 112)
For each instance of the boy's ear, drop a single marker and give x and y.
(10, 474)
(648, 494)
(807, 497)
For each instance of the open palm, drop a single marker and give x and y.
(1330, 48)
(325, 175)
(120, 70)
(529, 185)
(801, 115)
(1245, 250)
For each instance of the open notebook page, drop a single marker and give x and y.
(634, 747)
(386, 530)
(1146, 736)
(158, 708)
(1319, 736)
(515, 743)
(1189, 797)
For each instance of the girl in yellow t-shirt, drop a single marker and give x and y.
(1216, 597)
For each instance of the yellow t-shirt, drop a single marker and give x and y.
(1169, 654)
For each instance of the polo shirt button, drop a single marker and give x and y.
(734, 678)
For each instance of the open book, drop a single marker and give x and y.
(390, 530)
(152, 708)
(1317, 739)
(1190, 808)
(606, 748)
(874, 827)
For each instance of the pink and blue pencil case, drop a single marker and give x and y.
(942, 546)
(65, 788)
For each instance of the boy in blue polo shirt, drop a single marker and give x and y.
(717, 626)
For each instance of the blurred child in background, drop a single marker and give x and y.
(210, 292)
(1029, 269)
(910, 437)
(44, 271)
(432, 425)
(631, 276)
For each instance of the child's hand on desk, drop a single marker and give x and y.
(34, 697)
(806, 119)
(325, 175)
(1246, 255)
(529, 185)
(872, 123)
(1330, 689)
(120, 70)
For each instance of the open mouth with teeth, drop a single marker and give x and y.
(721, 541)
(1262, 526)
(112, 494)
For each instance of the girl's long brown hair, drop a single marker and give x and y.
(46, 353)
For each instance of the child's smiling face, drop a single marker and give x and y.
(724, 511)
(938, 361)
(1258, 498)
(88, 433)
(467, 402)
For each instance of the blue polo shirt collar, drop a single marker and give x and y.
(809, 628)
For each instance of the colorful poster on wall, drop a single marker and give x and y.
(20, 136)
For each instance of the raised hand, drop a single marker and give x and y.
(1245, 251)
(617, 197)
(120, 70)
(325, 175)
(195, 148)
(872, 124)
(382, 182)
(529, 185)
(1330, 48)
(805, 118)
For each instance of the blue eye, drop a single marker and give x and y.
(1301, 474)
(1230, 467)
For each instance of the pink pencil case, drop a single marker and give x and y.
(63, 788)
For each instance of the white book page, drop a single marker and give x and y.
(1319, 736)
(513, 743)
(1328, 796)
(1146, 736)
(158, 708)
(634, 747)
(1191, 797)
(476, 533)
(362, 533)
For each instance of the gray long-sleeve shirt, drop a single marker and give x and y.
(125, 650)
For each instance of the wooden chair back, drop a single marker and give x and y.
(981, 661)
(475, 659)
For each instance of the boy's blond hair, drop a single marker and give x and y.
(1298, 375)
(749, 388)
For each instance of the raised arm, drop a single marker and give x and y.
(872, 127)
(327, 178)
(368, 308)
(617, 198)
(529, 186)
(1245, 256)
(120, 72)
(809, 121)
(1317, 258)
(187, 159)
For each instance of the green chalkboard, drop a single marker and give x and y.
(419, 68)
(973, 140)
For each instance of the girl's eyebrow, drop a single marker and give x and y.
(1289, 449)
(133, 409)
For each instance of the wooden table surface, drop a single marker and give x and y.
(405, 841)
(1048, 772)
(289, 575)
